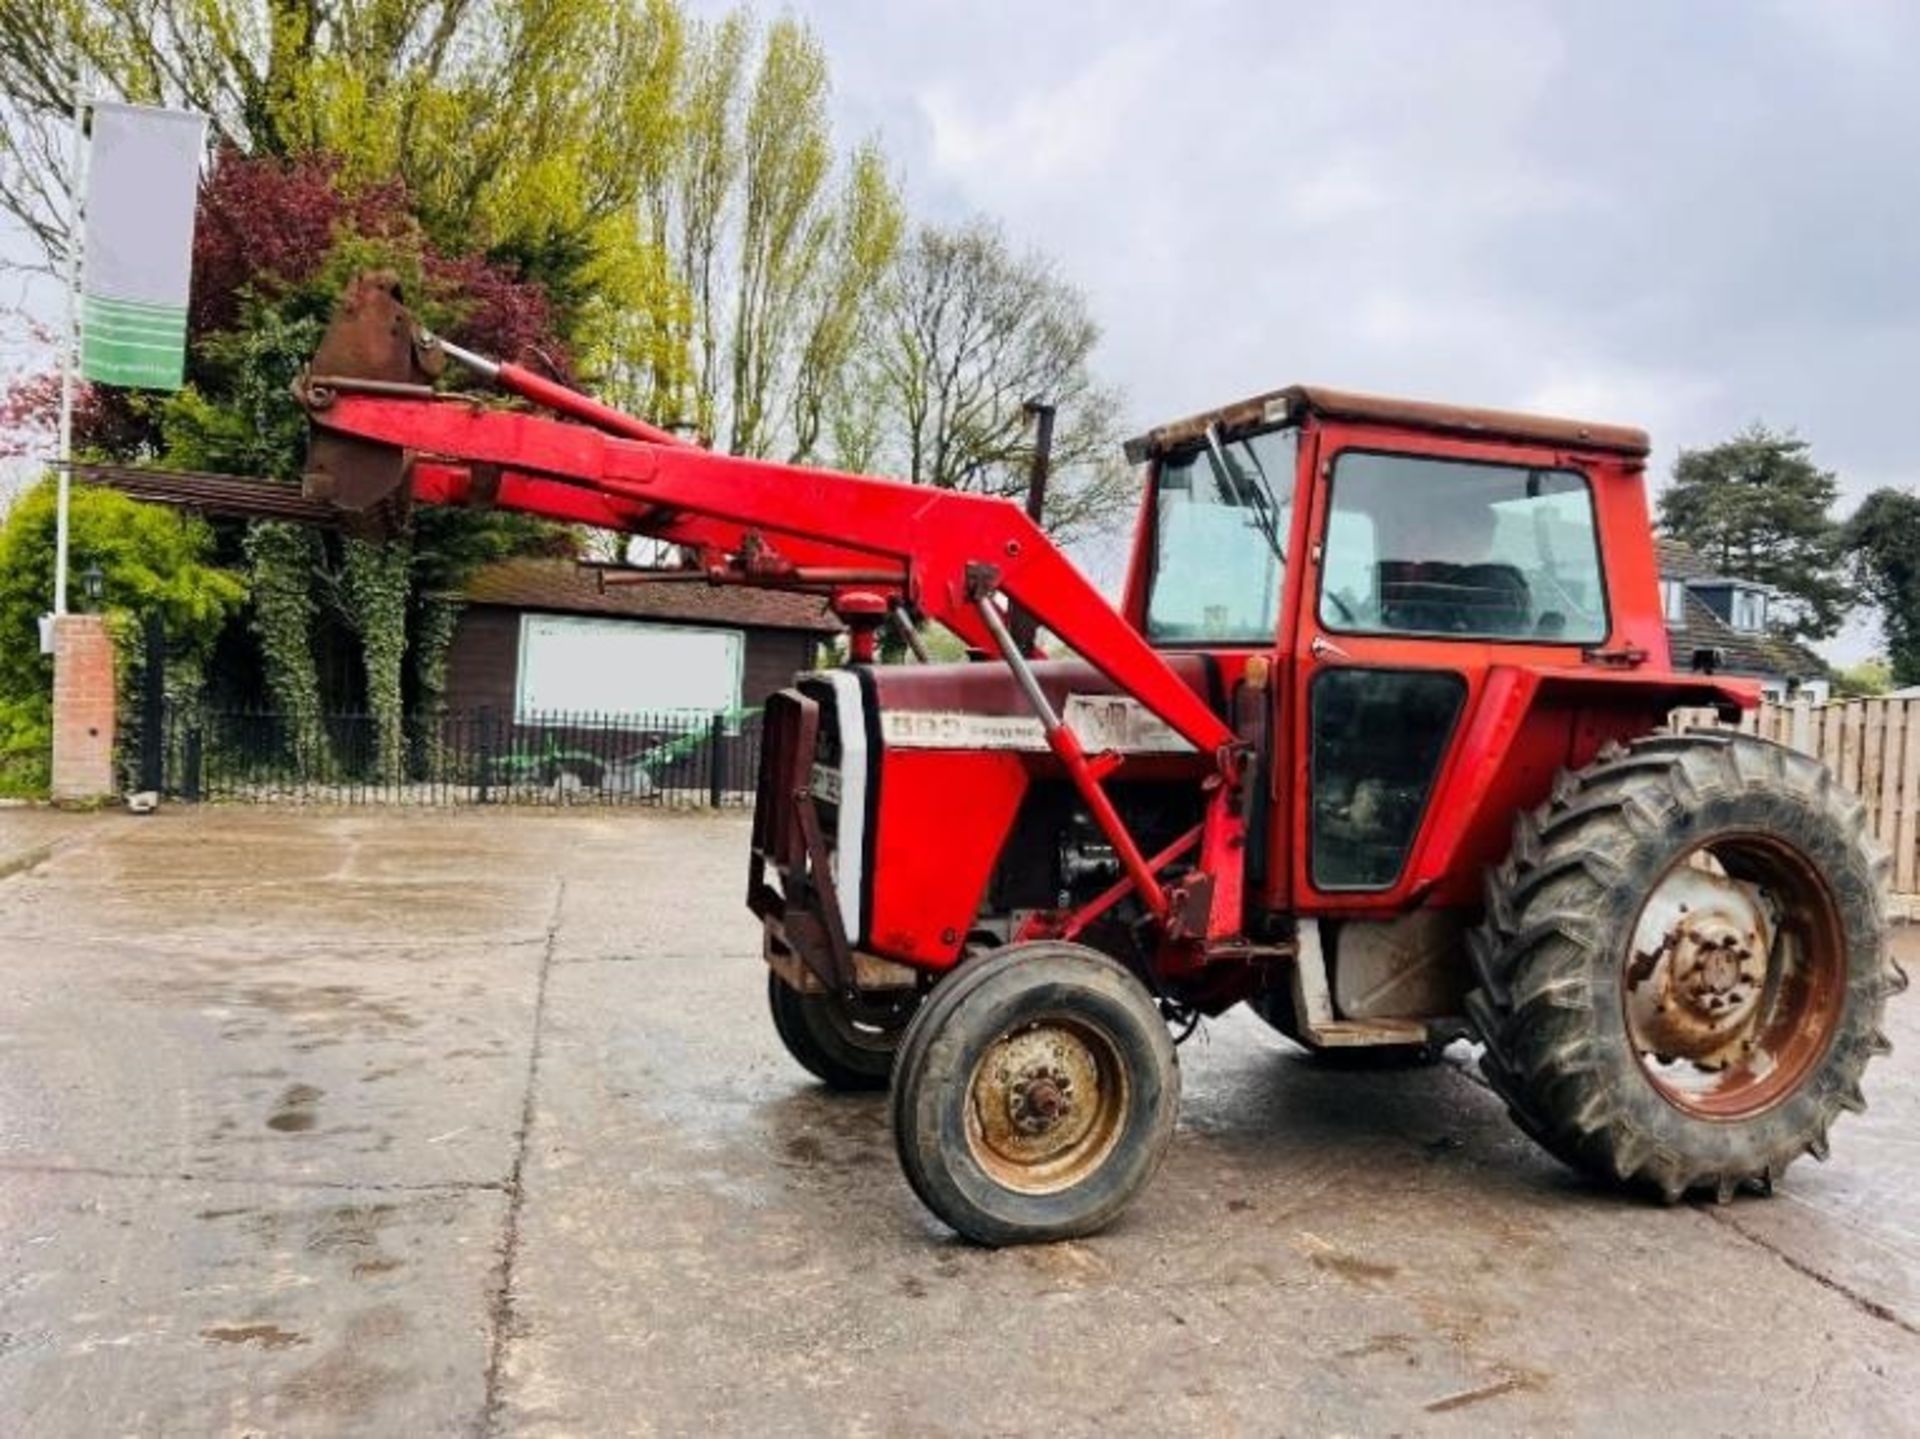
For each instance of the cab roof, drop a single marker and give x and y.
(1295, 402)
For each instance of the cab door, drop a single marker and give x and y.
(1428, 562)
(1213, 572)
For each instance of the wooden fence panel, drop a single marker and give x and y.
(1846, 750)
(1892, 724)
(1907, 830)
(1872, 734)
(1873, 748)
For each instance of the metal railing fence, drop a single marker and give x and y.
(677, 760)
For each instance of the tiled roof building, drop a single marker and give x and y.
(1708, 611)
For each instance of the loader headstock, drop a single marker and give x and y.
(373, 344)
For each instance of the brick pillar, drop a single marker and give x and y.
(83, 695)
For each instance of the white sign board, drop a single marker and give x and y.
(572, 665)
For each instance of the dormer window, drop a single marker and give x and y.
(1738, 604)
(1749, 611)
(1673, 601)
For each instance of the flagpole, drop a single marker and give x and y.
(69, 337)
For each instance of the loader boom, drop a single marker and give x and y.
(383, 438)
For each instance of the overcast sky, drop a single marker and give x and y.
(1681, 216)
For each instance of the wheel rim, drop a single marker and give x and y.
(1735, 978)
(1047, 1104)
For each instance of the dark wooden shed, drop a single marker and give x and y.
(541, 637)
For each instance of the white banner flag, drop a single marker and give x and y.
(143, 175)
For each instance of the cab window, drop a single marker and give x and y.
(1221, 516)
(1423, 546)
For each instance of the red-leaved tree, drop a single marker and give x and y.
(274, 240)
(266, 229)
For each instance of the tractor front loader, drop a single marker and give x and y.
(1375, 742)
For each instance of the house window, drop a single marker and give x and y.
(619, 669)
(1673, 601)
(1749, 612)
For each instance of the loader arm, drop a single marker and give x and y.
(951, 550)
(730, 552)
(382, 437)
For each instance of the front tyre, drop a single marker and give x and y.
(1684, 964)
(1034, 1094)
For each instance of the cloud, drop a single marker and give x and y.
(1683, 217)
(1062, 135)
(1701, 207)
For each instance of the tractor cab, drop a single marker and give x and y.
(1448, 523)
(1377, 568)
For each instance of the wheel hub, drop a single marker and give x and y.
(1040, 1099)
(1699, 969)
(1045, 1105)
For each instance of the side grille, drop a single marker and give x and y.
(789, 744)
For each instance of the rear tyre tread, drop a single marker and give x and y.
(1543, 961)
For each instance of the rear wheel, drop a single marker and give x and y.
(843, 1049)
(1684, 964)
(1035, 1095)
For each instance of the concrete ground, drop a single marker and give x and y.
(411, 1124)
(30, 834)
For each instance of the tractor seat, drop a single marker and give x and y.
(1438, 597)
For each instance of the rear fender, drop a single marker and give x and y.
(1527, 726)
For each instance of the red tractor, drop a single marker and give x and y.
(1374, 743)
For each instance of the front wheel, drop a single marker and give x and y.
(1034, 1094)
(1684, 964)
(843, 1050)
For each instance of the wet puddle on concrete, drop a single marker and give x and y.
(262, 1336)
(296, 1111)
